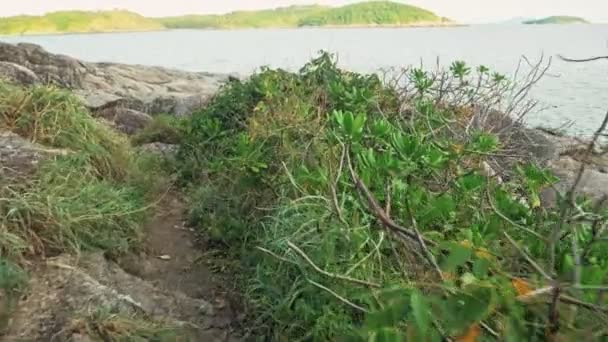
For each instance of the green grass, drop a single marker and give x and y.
(374, 13)
(78, 22)
(294, 174)
(165, 129)
(108, 326)
(558, 20)
(95, 196)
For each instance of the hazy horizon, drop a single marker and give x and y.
(466, 11)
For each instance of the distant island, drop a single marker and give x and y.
(78, 22)
(376, 13)
(365, 14)
(557, 20)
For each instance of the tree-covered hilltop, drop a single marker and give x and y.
(280, 17)
(78, 22)
(376, 13)
(373, 13)
(558, 20)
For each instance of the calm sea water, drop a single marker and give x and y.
(576, 92)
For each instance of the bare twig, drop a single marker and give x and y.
(379, 212)
(340, 298)
(581, 60)
(527, 257)
(328, 274)
(428, 253)
(275, 255)
(571, 195)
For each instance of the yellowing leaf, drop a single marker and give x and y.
(483, 253)
(448, 276)
(470, 335)
(521, 286)
(466, 243)
(457, 148)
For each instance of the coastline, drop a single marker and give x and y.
(379, 26)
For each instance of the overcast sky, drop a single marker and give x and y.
(468, 11)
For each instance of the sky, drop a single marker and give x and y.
(465, 11)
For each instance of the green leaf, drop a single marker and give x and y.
(480, 268)
(348, 123)
(463, 309)
(471, 182)
(420, 310)
(391, 334)
(358, 123)
(458, 256)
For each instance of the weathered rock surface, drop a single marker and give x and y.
(19, 157)
(16, 73)
(563, 155)
(128, 121)
(65, 290)
(152, 90)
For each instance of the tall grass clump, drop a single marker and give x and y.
(392, 210)
(92, 196)
(55, 118)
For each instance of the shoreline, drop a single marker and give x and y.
(381, 26)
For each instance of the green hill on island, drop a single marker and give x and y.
(376, 13)
(558, 20)
(78, 22)
(280, 17)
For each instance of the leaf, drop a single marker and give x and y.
(358, 123)
(471, 182)
(470, 335)
(420, 310)
(521, 286)
(388, 335)
(480, 268)
(458, 256)
(463, 309)
(347, 123)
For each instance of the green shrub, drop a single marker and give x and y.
(325, 187)
(166, 129)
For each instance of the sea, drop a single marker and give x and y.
(571, 96)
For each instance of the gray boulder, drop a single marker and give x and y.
(15, 73)
(20, 158)
(128, 121)
(153, 90)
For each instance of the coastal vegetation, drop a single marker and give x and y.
(93, 193)
(366, 209)
(376, 13)
(363, 207)
(557, 20)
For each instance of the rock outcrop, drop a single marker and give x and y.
(64, 291)
(152, 90)
(563, 155)
(20, 157)
(125, 120)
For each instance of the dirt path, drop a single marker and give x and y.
(173, 261)
(170, 280)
